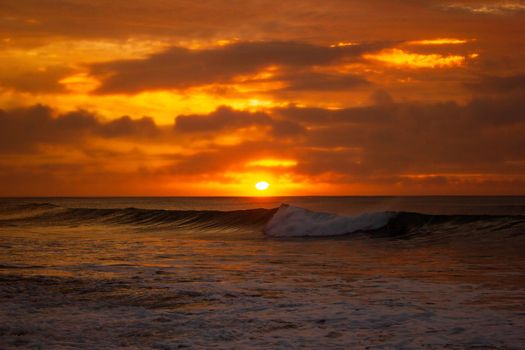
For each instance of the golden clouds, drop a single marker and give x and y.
(343, 44)
(147, 77)
(79, 83)
(400, 57)
(440, 41)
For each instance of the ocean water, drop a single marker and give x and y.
(251, 273)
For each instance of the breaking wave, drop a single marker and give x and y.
(285, 221)
(290, 221)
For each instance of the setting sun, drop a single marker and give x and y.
(262, 185)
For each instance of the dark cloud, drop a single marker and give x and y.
(127, 127)
(224, 118)
(180, 68)
(484, 135)
(23, 129)
(498, 112)
(499, 84)
(333, 117)
(312, 81)
(38, 81)
(228, 119)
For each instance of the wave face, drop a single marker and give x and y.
(282, 222)
(49, 214)
(290, 221)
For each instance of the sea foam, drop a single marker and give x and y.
(290, 221)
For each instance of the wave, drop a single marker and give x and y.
(284, 222)
(50, 214)
(290, 221)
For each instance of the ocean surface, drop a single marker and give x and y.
(262, 273)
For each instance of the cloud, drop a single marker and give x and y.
(127, 127)
(35, 81)
(219, 120)
(227, 119)
(314, 81)
(438, 41)
(484, 135)
(181, 68)
(403, 58)
(333, 117)
(24, 129)
(489, 8)
(499, 84)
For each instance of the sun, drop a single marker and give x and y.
(262, 185)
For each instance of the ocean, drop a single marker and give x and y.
(439, 272)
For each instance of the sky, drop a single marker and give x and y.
(206, 98)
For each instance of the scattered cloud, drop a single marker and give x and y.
(493, 7)
(182, 68)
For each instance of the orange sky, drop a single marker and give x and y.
(335, 97)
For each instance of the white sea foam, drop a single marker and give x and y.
(290, 221)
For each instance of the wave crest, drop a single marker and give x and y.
(290, 221)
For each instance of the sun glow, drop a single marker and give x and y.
(262, 185)
(272, 163)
